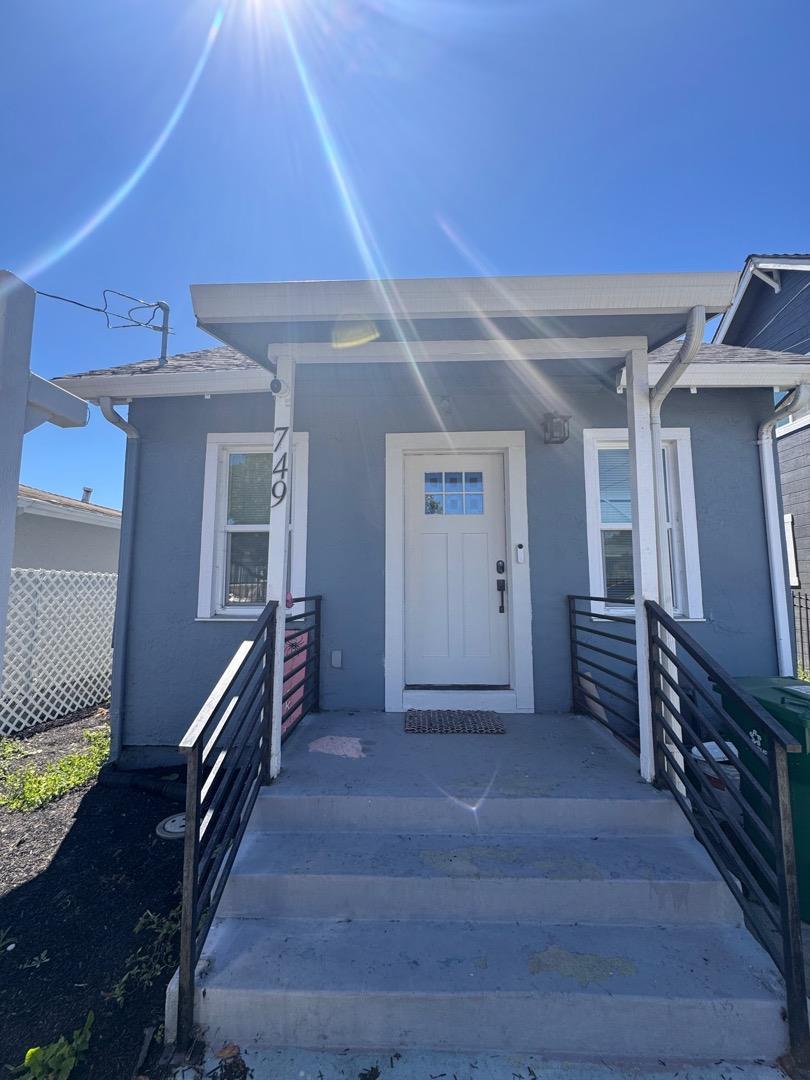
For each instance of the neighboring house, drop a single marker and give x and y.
(771, 310)
(470, 464)
(55, 532)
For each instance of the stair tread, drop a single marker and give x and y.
(549, 857)
(435, 957)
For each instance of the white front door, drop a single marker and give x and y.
(456, 624)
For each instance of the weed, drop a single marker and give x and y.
(36, 962)
(57, 1060)
(10, 750)
(30, 788)
(802, 673)
(145, 966)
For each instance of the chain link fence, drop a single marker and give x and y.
(58, 656)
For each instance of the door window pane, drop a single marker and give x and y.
(249, 484)
(473, 504)
(246, 581)
(614, 485)
(433, 482)
(454, 493)
(453, 504)
(473, 481)
(617, 556)
(434, 504)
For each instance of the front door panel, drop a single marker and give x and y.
(455, 633)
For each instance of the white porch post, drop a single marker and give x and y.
(278, 557)
(645, 556)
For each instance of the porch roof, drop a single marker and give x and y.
(426, 319)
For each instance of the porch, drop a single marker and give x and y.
(392, 890)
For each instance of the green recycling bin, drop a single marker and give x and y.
(788, 701)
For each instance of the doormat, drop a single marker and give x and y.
(453, 722)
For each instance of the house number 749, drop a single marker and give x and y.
(280, 467)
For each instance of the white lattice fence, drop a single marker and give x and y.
(58, 645)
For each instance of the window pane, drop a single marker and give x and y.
(473, 481)
(249, 484)
(617, 556)
(434, 504)
(473, 504)
(453, 504)
(614, 485)
(246, 582)
(433, 481)
(452, 481)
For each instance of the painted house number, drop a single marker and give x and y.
(280, 467)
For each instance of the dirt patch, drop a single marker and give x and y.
(76, 877)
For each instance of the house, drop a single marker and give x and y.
(55, 532)
(771, 310)
(518, 501)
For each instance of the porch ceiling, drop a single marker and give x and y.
(424, 319)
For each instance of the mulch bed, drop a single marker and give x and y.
(75, 877)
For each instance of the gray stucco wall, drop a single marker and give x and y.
(49, 543)
(174, 660)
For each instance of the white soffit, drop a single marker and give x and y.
(707, 376)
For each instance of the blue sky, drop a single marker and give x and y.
(504, 136)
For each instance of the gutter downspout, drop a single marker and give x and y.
(695, 327)
(797, 402)
(121, 623)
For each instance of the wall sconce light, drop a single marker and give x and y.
(555, 428)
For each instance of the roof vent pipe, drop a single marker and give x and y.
(86, 493)
(695, 328)
(795, 404)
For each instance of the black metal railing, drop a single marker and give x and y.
(227, 750)
(603, 666)
(302, 656)
(801, 624)
(724, 758)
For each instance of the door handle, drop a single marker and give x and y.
(500, 585)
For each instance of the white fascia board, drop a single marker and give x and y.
(791, 426)
(463, 297)
(120, 388)
(90, 516)
(708, 376)
(47, 401)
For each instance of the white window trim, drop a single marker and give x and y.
(217, 443)
(594, 439)
(790, 544)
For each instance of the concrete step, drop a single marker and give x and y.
(554, 879)
(601, 991)
(646, 811)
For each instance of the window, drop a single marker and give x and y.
(235, 542)
(454, 493)
(610, 526)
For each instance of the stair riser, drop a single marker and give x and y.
(551, 901)
(601, 817)
(595, 1025)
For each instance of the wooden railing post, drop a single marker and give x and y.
(791, 926)
(188, 917)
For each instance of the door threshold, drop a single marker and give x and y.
(502, 701)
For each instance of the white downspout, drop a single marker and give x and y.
(123, 591)
(695, 327)
(796, 403)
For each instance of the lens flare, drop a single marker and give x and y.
(98, 217)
